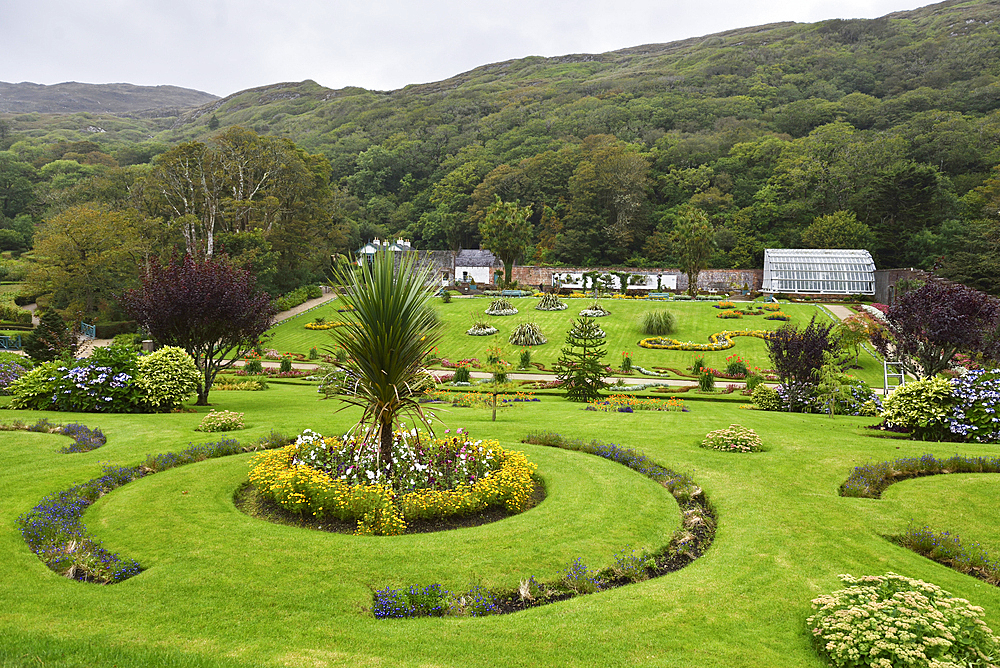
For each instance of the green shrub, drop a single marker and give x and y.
(658, 323)
(286, 364)
(754, 381)
(735, 438)
(921, 406)
(706, 381)
(766, 398)
(11, 313)
(445, 297)
(313, 353)
(314, 291)
(891, 620)
(525, 360)
(462, 375)
(221, 421)
(109, 330)
(167, 378)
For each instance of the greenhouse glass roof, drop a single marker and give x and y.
(818, 272)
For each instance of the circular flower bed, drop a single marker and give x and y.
(481, 329)
(595, 310)
(430, 478)
(501, 307)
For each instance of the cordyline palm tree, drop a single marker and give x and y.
(387, 337)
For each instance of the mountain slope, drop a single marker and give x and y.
(73, 97)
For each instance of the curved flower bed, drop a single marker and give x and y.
(84, 438)
(551, 302)
(720, 341)
(593, 312)
(432, 478)
(53, 531)
(323, 325)
(689, 543)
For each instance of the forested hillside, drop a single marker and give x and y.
(882, 134)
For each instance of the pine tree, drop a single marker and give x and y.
(50, 339)
(581, 365)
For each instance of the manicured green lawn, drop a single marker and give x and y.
(696, 321)
(224, 589)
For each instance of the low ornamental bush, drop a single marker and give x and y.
(114, 379)
(976, 406)
(480, 328)
(735, 438)
(217, 421)
(84, 438)
(892, 620)
(766, 398)
(922, 407)
(9, 372)
(947, 548)
(167, 378)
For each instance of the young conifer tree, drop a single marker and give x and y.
(581, 365)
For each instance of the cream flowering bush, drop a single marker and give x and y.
(891, 620)
(221, 421)
(734, 438)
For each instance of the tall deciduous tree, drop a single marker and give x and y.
(926, 327)
(211, 309)
(692, 241)
(506, 231)
(85, 255)
(840, 229)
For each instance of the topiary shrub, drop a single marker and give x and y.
(766, 398)
(891, 620)
(922, 407)
(527, 334)
(658, 323)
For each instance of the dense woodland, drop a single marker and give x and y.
(881, 134)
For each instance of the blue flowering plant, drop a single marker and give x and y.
(976, 400)
(10, 371)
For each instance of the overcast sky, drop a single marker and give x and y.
(224, 46)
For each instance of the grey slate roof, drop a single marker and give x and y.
(476, 258)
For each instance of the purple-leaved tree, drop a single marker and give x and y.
(210, 308)
(925, 327)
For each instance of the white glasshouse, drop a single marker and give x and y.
(818, 272)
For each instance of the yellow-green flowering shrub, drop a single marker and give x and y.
(890, 620)
(167, 378)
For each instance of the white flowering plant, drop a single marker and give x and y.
(891, 620)
(221, 421)
(734, 438)
(420, 460)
